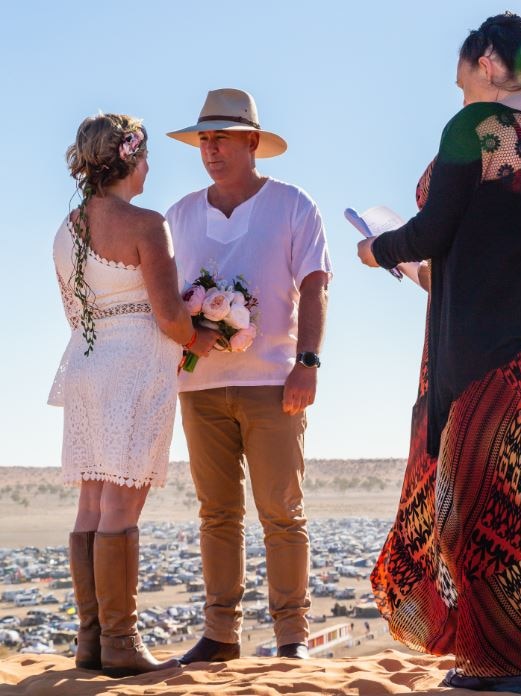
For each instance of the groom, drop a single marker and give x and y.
(251, 406)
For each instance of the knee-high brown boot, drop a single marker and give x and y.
(116, 565)
(88, 653)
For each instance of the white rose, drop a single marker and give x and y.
(216, 304)
(238, 317)
(238, 298)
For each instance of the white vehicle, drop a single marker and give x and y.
(9, 638)
(26, 600)
(39, 647)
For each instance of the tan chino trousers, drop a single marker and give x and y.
(224, 427)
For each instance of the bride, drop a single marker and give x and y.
(117, 380)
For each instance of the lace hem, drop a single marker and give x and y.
(154, 481)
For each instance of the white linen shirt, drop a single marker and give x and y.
(274, 240)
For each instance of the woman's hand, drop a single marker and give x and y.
(365, 253)
(204, 342)
(424, 276)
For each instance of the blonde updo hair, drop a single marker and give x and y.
(94, 160)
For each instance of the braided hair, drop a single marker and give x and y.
(106, 149)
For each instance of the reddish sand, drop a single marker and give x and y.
(388, 672)
(368, 669)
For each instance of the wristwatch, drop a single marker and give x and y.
(308, 359)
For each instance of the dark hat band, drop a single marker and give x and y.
(236, 119)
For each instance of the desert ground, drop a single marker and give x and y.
(36, 511)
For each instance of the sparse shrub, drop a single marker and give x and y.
(341, 484)
(372, 482)
(189, 499)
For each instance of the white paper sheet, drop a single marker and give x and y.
(373, 222)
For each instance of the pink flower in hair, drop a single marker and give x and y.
(131, 143)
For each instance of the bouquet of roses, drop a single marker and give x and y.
(226, 307)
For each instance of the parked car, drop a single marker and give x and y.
(151, 586)
(33, 621)
(6, 621)
(345, 593)
(28, 600)
(50, 599)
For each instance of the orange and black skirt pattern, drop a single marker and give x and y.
(448, 579)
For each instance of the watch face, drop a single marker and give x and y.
(310, 359)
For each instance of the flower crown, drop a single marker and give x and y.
(131, 144)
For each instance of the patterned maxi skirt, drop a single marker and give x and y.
(448, 579)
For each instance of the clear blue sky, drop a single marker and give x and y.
(361, 92)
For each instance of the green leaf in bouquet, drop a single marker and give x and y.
(205, 280)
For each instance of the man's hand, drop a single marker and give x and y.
(365, 252)
(300, 389)
(204, 342)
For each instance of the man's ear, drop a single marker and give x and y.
(254, 141)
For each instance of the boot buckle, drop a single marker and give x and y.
(121, 642)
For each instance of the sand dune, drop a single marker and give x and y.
(388, 672)
(361, 674)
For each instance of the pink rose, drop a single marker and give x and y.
(216, 304)
(243, 339)
(194, 297)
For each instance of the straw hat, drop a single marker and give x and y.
(231, 109)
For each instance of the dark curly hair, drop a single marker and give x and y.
(501, 34)
(94, 159)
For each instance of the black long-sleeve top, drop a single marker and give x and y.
(470, 227)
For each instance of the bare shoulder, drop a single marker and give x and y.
(149, 226)
(119, 214)
(146, 219)
(151, 234)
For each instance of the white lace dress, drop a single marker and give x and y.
(119, 401)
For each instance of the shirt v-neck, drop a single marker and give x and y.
(227, 229)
